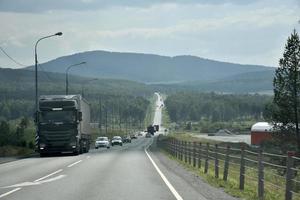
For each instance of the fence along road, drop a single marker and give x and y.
(271, 175)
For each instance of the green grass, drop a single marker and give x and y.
(231, 186)
(190, 138)
(14, 151)
(166, 121)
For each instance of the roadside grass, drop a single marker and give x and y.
(274, 183)
(231, 186)
(28, 137)
(12, 151)
(189, 138)
(274, 186)
(166, 121)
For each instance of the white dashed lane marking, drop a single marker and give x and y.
(75, 163)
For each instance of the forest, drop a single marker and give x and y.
(217, 109)
(116, 105)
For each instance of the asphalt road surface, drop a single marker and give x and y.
(128, 172)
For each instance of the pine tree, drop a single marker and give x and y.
(286, 92)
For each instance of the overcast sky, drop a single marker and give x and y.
(239, 31)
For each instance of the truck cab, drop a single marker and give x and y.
(63, 125)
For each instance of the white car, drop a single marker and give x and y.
(116, 140)
(102, 142)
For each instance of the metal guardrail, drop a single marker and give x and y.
(241, 161)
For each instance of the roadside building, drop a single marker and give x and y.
(261, 131)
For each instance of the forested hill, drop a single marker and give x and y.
(19, 83)
(149, 68)
(250, 82)
(17, 93)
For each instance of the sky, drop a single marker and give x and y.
(238, 31)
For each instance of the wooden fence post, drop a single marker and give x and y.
(242, 169)
(216, 162)
(190, 152)
(226, 164)
(172, 146)
(194, 153)
(260, 176)
(185, 152)
(199, 154)
(175, 149)
(289, 175)
(206, 159)
(181, 150)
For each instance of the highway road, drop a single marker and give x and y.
(120, 173)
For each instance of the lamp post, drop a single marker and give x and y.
(36, 70)
(88, 81)
(67, 75)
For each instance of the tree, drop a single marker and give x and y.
(4, 133)
(286, 92)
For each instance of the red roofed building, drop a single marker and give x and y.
(260, 132)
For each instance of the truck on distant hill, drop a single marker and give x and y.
(63, 125)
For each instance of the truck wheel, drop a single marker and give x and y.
(76, 152)
(43, 155)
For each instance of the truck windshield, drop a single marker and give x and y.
(57, 116)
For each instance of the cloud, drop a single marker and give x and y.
(48, 5)
(227, 30)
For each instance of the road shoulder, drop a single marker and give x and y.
(188, 184)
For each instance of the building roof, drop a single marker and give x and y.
(262, 127)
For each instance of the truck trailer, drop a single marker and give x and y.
(63, 125)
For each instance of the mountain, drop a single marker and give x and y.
(149, 68)
(249, 82)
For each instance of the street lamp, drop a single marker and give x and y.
(36, 71)
(67, 75)
(88, 81)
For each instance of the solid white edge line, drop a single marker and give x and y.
(10, 192)
(37, 180)
(75, 163)
(172, 189)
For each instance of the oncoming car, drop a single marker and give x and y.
(116, 140)
(102, 142)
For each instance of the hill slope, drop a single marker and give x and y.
(19, 83)
(149, 68)
(249, 82)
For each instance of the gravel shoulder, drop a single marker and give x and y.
(189, 185)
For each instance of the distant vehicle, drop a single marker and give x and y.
(102, 142)
(151, 129)
(127, 139)
(133, 136)
(140, 134)
(148, 135)
(63, 124)
(116, 140)
(156, 127)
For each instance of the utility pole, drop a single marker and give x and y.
(105, 120)
(100, 115)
